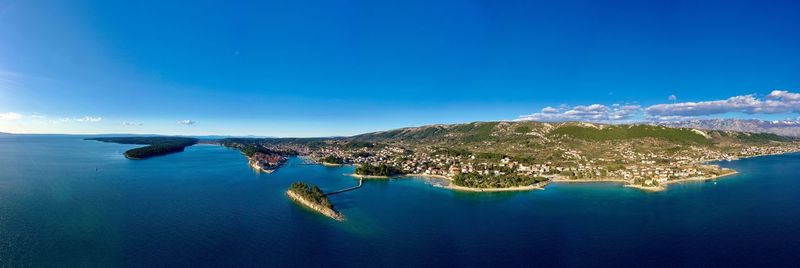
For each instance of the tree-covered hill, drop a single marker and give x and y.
(501, 131)
(476, 131)
(311, 193)
(629, 132)
(550, 140)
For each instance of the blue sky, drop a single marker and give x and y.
(319, 68)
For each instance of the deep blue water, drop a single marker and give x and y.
(69, 202)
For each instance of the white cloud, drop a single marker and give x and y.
(777, 101)
(784, 95)
(550, 110)
(131, 124)
(85, 119)
(663, 118)
(89, 119)
(594, 113)
(10, 116)
(62, 120)
(187, 122)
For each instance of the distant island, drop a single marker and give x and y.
(312, 197)
(156, 146)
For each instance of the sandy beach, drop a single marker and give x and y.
(646, 188)
(562, 180)
(399, 176)
(509, 189)
(429, 176)
(367, 176)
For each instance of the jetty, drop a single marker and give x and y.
(360, 183)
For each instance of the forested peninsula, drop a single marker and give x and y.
(156, 146)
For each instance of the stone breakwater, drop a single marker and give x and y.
(316, 207)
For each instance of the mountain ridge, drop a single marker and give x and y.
(496, 129)
(788, 128)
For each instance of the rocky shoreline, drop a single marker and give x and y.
(316, 207)
(537, 186)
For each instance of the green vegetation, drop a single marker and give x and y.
(479, 131)
(332, 160)
(522, 129)
(524, 159)
(453, 152)
(381, 135)
(490, 156)
(428, 132)
(760, 137)
(495, 181)
(250, 150)
(677, 135)
(362, 154)
(311, 193)
(359, 144)
(156, 150)
(156, 145)
(381, 170)
(403, 134)
(470, 132)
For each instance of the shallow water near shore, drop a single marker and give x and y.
(69, 202)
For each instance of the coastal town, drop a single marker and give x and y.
(647, 170)
(266, 162)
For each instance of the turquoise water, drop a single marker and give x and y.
(69, 202)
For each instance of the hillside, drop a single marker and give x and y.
(530, 138)
(538, 140)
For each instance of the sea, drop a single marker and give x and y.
(69, 202)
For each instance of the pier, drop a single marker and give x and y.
(360, 183)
